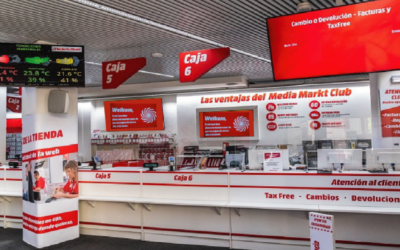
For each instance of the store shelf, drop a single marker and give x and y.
(272, 206)
(364, 210)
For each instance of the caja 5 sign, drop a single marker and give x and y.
(115, 73)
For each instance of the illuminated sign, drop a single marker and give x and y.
(34, 65)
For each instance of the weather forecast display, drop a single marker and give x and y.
(358, 38)
(238, 123)
(35, 65)
(134, 115)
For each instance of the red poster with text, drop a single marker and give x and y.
(194, 64)
(227, 124)
(134, 115)
(390, 112)
(117, 72)
(344, 40)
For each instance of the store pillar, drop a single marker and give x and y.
(50, 177)
(3, 123)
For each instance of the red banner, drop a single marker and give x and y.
(134, 115)
(227, 123)
(46, 224)
(49, 152)
(194, 64)
(14, 104)
(117, 72)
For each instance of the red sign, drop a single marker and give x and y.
(272, 126)
(134, 115)
(194, 64)
(271, 106)
(14, 104)
(390, 112)
(371, 31)
(227, 123)
(315, 104)
(271, 117)
(117, 72)
(271, 155)
(315, 115)
(51, 223)
(315, 125)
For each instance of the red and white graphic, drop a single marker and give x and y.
(115, 73)
(315, 104)
(315, 125)
(271, 117)
(50, 223)
(238, 123)
(148, 115)
(273, 161)
(321, 231)
(390, 112)
(271, 106)
(194, 64)
(14, 104)
(370, 29)
(134, 115)
(315, 115)
(272, 126)
(241, 124)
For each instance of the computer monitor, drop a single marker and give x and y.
(382, 159)
(13, 164)
(339, 159)
(150, 165)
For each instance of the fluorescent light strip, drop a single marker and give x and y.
(141, 71)
(164, 27)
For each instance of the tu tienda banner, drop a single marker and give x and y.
(390, 112)
(194, 64)
(115, 73)
(50, 171)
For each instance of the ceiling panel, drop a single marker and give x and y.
(239, 24)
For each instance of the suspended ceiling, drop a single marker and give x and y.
(106, 35)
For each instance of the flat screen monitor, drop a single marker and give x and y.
(335, 159)
(134, 115)
(228, 123)
(381, 159)
(351, 39)
(37, 65)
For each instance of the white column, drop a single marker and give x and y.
(49, 140)
(85, 110)
(3, 123)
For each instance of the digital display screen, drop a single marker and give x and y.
(134, 115)
(35, 65)
(359, 38)
(237, 123)
(150, 165)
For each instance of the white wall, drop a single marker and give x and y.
(381, 81)
(357, 124)
(3, 123)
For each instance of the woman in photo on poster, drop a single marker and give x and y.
(71, 188)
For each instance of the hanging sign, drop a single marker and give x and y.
(14, 104)
(390, 112)
(117, 72)
(194, 64)
(321, 232)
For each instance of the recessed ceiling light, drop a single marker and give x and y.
(157, 54)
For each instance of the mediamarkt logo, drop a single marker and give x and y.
(118, 110)
(241, 124)
(65, 49)
(42, 136)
